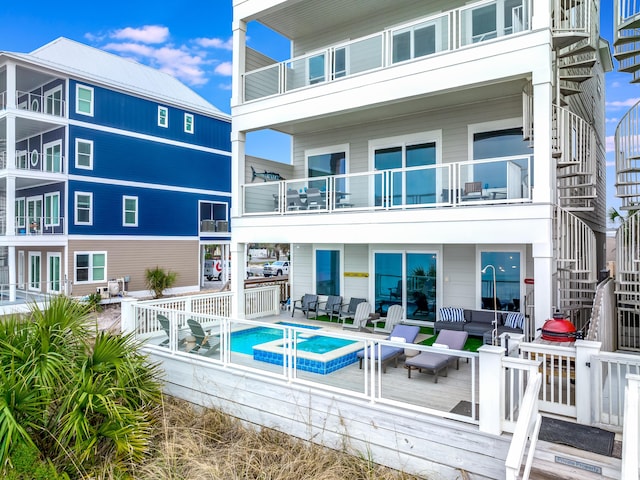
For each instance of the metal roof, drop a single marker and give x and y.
(91, 64)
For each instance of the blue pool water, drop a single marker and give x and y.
(244, 340)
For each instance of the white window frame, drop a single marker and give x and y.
(34, 158)
(91, 102)
(37, 217)
(53, 221)
(78, 165)
(22, 159)
(21, 212)
(50, 146)
(480, 249)
(51, 93)
(124, 211)
(75, 208)
(328, 247)
(187, 117)
(20, 269)
(163, 121)
(90, 267)
(32, 284)
(50, 279)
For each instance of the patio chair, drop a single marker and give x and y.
(350, 311)
(308, 303)
(331, 306)
(388, 353)
(166, 326)
(205, 344)
(437, 363)
(472, 191)
(315, 201)
(395, 314)
(294, 202)
(361, 317)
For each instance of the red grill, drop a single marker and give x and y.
(559, 329)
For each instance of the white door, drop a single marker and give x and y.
(34, 271)
(53, 277)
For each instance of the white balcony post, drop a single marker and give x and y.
(11, 260)
(11, 90)
(238, 262)
(128, 317)
(543, 280)
(544, 171)
(491, 392)
(585, 350)
(541, 14)
(239, 59)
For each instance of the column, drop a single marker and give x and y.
(127, 315)
(491, 391)
(238, 59)
(585, 349)
(13, 274)
(544, 285)
(238, 262)
(544, 171)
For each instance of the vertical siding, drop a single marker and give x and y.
(356, 259)
(459, 271)
(133, 257)
(302, 258)
(44, 265)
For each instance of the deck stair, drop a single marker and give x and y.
(627, 144)
(553, 461)
(628, 282)
(575, 253)
(627, 37)
(572, 21)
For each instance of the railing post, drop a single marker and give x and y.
(584, 390)
(127, 312)
(630, 445)
(491, 398)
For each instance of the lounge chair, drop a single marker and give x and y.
(437, 363)
(395, 314)
(350, 311)
(294, 202)
(166, 326)
(331, 306)
(315, 201)
(205, 344)
(360, 319)
(308, 303)
(406, 333)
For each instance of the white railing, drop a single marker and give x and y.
(610, 371)
(571, 16)
(630, 440)
(627, 148)
(498, 180)
(602, 326)
(526, 431)
(557, 366)
(386, 48)
(44, 225)
(574, 140)
(625, 10)
(3, 100)
(40, 104)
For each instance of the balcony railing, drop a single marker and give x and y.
(34, 161)
(418, 39)
(3, 100)
(212, 226)
(488, 181)
(49, 104)
(42, 225)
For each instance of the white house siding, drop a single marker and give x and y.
(301, 258)
(452, 122)
(133, 256)
(356, 260)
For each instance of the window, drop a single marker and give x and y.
(53, 157)
(419, 40)
(316, 69)
(54, 277)
(163, 117)
(34, 271)
(327, 272)
(507, 280)
(409, 186)
(84, 100)
(326, 162)
(90, 267)
(35, 158)
(83, 208)
(493, 19)
(34, 214)
(21, 159)
(52, 209)
(53, 101)
(84, 154)
(188, 123)
(20, 213)
(130, 211)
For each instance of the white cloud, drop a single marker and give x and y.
(610, 143)
(629, 102)
(225, 69)
(146, 34)
(615, 84)
(612, 120)
(610, 164)
(215, 43)
(225, 86)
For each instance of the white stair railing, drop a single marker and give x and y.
(630, 444)
(627, 144)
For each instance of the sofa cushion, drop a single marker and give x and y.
(452, 314)
(485, 316)
(514, 320)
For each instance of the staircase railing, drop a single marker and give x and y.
(630, 446)
(627, 143)
(628, 282)
(571, 16)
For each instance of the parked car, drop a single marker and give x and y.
(213, 269)
(281, 267)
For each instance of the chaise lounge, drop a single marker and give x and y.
(438, 361)
(388, 353)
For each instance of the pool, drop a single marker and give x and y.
(315, 353)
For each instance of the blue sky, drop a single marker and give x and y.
(192, 41)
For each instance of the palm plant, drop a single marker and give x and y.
(158, 280)
(77, 396)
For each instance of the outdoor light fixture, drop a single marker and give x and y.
(494, 333)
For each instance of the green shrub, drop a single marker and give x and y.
(158, 280)
(28, 465)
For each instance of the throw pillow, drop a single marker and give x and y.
(514, 320)
(452, 314)
(398, 339)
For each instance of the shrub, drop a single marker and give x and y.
(158, 280)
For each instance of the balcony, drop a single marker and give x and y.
(49, 162)
(50, 104)
(491, 181)
(418, 39)
(35, 225)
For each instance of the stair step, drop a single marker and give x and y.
(630, 23)
(581, 44)
(554, 461)
(630, 68)
(623, 55)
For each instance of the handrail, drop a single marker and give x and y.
(630, 444)
(39, 103)
(527, 427)
(372, 52)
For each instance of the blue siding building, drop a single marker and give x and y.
(108, 167)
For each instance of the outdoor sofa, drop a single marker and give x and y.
(477, 322)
